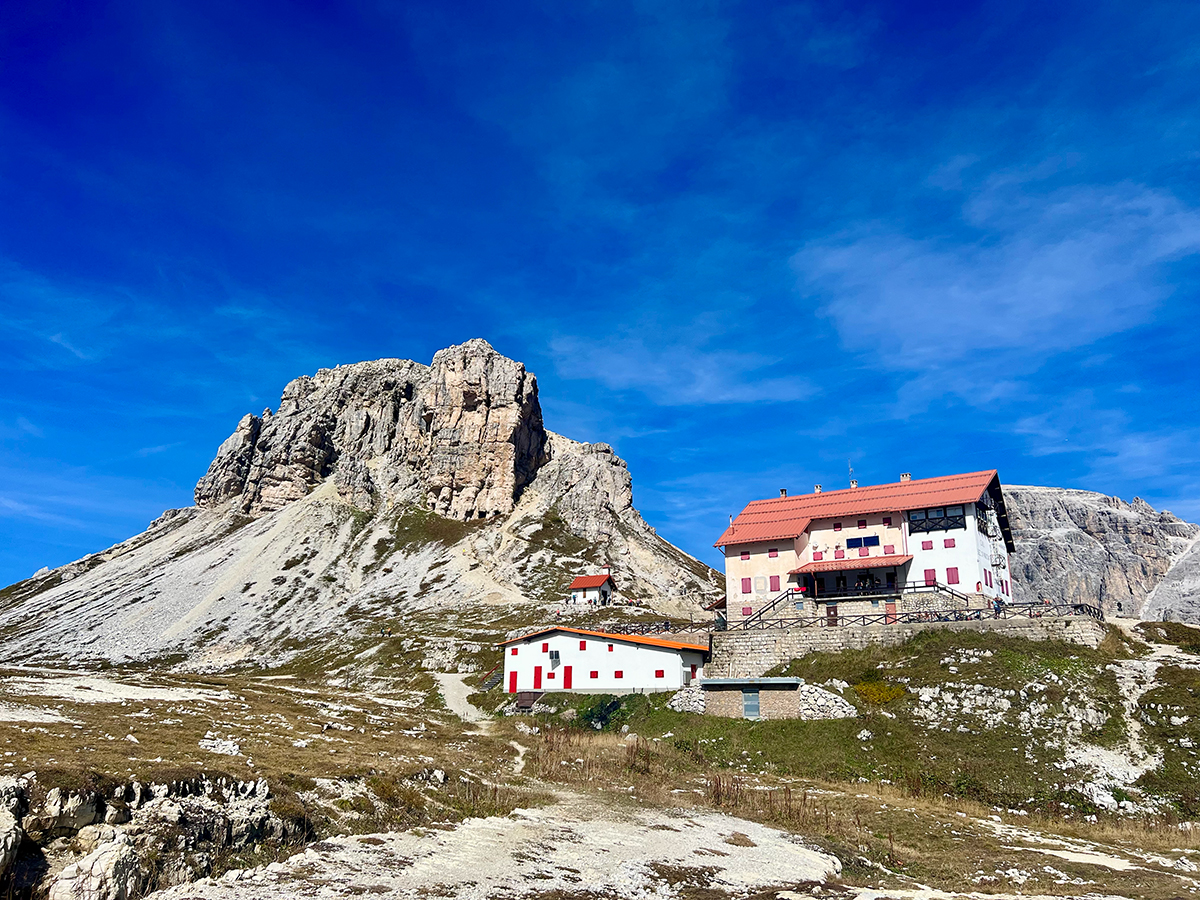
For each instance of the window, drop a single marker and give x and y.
(773, 553)
(917, 515)
(513, 651)
(837, 526)
(554, 654)
(875, 603)
(618, 674)
(872, 541)
(593, 674)
(954, 510)
(545, 648)
(818, 556)
(550, 674)
(952, 576)
(862, 523)
(775, 582)
(660, 673)
(948, 542)
(936, 513)
(839, 554)
(760, 583)
(1006, 587)
(887, 521)
(852, 543)
(937, 518)
(889, 549)
(930, 576)
(747, 610)
(747, 585)
(800, 604)
(745, 554)
(583, 645)
(926, 545)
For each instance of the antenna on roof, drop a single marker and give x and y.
(851, 468)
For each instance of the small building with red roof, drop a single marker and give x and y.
(881, 549)
(597, 590)
(575, 659)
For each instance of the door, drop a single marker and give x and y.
(750, 703)
(566, 678)
(890, 612)
(537, 678)
(512, 682)
(831, 615)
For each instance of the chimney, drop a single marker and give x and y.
(783, 492)
(816, 489)
(853, 482)
(906, 476)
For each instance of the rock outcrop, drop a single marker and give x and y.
(462, 437)
(375, 491)
(1083, 547)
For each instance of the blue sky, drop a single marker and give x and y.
(742, 242)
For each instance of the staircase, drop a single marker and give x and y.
(492, 678)
(791, 595)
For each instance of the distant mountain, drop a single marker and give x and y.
(1084, 547)
(375, 489)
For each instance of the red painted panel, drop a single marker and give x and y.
(514, 651)
(839, 554)
(660, 673)
(774, 582)
(747, 585)
(864, 551)
(926, 545)
(566, 678)
(818, 556)
(889, 549)
(952, 575)
(537, 678)
(949, 542)
(512, 682)
(931, 576)
(773, 553)
(583, 645)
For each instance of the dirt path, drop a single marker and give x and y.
(574, 848)
(455, 692)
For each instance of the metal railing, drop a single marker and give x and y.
(1014, 611)
(663, 627)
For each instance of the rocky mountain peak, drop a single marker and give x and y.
(461, 437)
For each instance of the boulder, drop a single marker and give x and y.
(110, 872)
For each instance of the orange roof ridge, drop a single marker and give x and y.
(631, 638)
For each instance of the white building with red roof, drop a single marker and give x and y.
(574, 659)
(597, 590)
(882, 548)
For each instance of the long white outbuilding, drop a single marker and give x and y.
(572, 659)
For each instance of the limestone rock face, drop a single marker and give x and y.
(461, 437)
(110, 872)
(375, 492)
(1083, 547)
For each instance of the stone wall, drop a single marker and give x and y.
(778, 701)
(750, 653)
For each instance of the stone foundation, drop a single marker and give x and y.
(750, 653)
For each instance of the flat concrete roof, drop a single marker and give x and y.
(735, 682)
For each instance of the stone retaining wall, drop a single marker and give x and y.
(750, 653)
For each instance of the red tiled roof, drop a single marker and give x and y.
(847, 565)
(589, 581)
(628, 638)
(788, 517)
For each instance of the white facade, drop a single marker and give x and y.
(587, 662)
(598, 596)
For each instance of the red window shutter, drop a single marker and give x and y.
(660, 673)
(949, 542)
(774, 582)
(747, 610)
(745, 554)
(595, 674)
(773, 553)
(818, 556)
(545, 648)
(862, 523)
(583, 645)
(952, 576)
(747, 585)
(889, 549)
(887, 521)
(513, 651)
(618, 674)
(610, 648)
(837, 526)
(926, 545)
(839, 554)
(549, 674)
(930, 576)
(864, 551)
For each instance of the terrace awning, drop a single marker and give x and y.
(847, 565)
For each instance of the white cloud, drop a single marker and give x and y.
(1041, 274)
